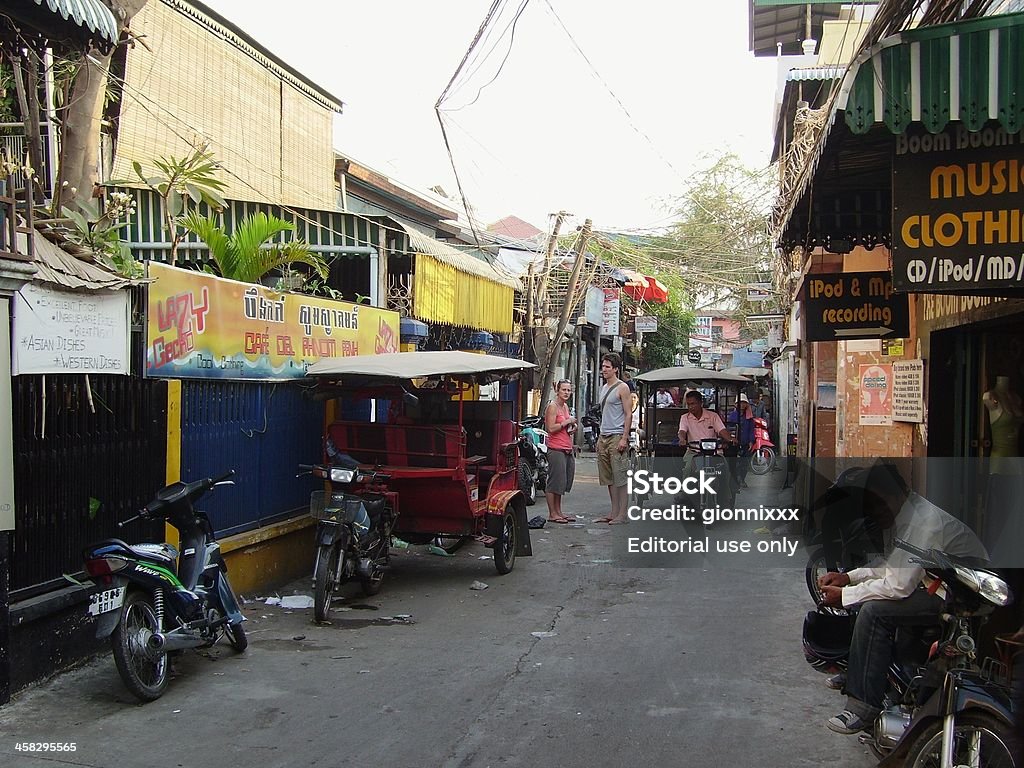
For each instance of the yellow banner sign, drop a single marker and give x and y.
(204, 327)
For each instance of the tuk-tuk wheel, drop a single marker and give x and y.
(505, 546)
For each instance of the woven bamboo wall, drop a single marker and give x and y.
(188, 84)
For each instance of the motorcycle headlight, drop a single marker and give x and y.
(339, 475)
(709, 445)
(986, 584)
(994, 589)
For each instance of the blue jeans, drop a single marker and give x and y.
(871, 650)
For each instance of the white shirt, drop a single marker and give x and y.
(924, 525)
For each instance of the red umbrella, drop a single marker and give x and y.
(644, 287)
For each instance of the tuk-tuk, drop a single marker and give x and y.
(448, 461)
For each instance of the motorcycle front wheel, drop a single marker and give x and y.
(144, 672)
(762, 460)
(979, 740)
(325, 576)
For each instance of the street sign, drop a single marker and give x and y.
(693, 356)
(853, 305)
(646, 324)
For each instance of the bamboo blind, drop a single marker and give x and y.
(191, 85)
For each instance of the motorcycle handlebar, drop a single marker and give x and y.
(226, 476)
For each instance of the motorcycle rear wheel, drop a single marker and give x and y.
(816, 568)
(325, 576)
(371, 584)
(984, 734)
(505, 546)
(762, 460)
(144, 673)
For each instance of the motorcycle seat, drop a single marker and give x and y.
(162, 554)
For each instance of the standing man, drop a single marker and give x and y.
(613, 445)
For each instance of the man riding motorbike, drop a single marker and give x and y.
(700, 424)
(892, 593)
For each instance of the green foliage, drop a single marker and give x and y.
(674, 325)
(7, 97)
(182, 184)
(720, 239)
(100, 233)
(94, 507)
(247, 254)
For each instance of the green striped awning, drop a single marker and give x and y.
(970, 71)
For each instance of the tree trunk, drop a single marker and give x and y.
(80, 135)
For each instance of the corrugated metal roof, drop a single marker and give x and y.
(57, 266)
(814, 73)
(91, 14)
(420, 243)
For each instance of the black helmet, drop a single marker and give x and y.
(826, 640)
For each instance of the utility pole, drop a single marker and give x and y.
(563, 320)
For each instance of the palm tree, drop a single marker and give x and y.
(245, 254)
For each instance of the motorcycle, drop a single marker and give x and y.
(713, 466)
(153, 602)
(764, 455)
(592, 428)
(353, 533)
(941, 710)
(533, 458)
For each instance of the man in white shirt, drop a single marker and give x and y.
(891, 593)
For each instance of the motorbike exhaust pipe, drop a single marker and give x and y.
(172, 641)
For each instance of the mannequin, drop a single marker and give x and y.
(1005, 416)
(1004, 522)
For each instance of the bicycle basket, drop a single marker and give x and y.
(343, 507)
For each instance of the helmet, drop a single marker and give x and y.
(826, 640)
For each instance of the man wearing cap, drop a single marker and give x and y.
(743, 420)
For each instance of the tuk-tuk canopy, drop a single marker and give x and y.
(415, 365)
(689, 374)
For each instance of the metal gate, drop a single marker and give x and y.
(260, 430)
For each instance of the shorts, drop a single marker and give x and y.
(561, 471)
(612, 464)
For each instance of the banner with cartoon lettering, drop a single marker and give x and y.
(203, 327)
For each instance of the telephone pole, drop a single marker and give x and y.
(563, 320)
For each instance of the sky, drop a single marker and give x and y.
(534, 127)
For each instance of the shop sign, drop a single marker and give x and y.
(610, 316)
(876, 394)
(908, 391)
(204, 327)
(594, 307)
(958, 223)
(64, 332)
(892, 347)
(853, 305)
(759, 292)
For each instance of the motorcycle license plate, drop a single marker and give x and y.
(106, 601)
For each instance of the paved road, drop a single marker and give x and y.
(692, 665)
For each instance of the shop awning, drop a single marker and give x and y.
(644, 287)
(971, 71)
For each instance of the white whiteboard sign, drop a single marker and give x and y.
(64, 332)
(908, 391)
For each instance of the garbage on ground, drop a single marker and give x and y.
(273, 601)
(484, 557)
(439, 551)
(297, 601)
(536, 522)
(544, 634)
(397, 543)
(478, 585)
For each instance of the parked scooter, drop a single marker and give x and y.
(533, 458)
(152, 602)
(941, 710)
(592, 428)
(764, 455)
(353, 532)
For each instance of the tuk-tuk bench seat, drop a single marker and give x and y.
(399, 445)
